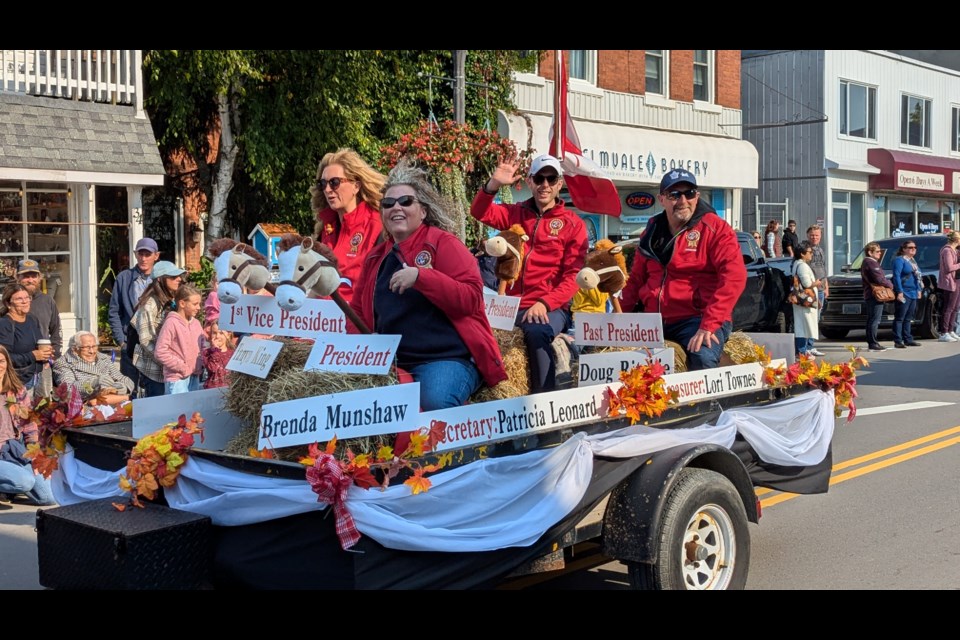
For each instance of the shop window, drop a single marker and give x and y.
(858, 110)
(901, 223)
(915, 118)
(703, 75)
(656, 71)
(582, 65)
(955, 129)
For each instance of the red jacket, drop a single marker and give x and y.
(556, 251)
(450, 279)
(352, 242)
(704, 276)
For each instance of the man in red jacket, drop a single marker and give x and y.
(689, 269)
(556, 251)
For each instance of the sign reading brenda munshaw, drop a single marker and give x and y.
(714, 383)
(620, 329)
(486, 422)
(343, 353)
(501, 310)
(604, 368)
(254, 356)
(354, 414)
(262, 314)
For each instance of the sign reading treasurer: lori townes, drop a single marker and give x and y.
(354, 414)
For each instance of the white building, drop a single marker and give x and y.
(864, 143)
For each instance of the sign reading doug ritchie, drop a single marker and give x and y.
(354, 414)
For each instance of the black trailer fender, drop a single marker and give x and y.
(632, 517)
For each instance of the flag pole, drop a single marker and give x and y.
(559, 112)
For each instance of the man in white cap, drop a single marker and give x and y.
(688, 268)
(556, 251)
(128, 287)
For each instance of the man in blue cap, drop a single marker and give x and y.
(688, 268)
(130, 284)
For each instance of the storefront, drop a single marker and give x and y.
(636, 159)
(914, 193)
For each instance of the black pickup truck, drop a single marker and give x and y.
(762, 307)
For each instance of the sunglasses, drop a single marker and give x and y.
(333, 182)
(689, 194)
(551, 179)
(913, 246)
(403, 201)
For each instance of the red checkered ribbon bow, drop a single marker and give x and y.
(330, 483)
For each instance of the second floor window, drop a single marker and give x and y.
(703, 75)
(656, 72)
(955, 129)
(582, 65)
(858, 110)
(915, 121)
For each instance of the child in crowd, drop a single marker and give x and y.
(216, 357)
(178, 343)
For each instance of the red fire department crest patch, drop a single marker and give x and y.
(693, 237)
(423, 259)
(555, 227)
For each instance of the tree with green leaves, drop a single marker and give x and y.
(255, 123)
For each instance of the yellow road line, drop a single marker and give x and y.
(843, 477)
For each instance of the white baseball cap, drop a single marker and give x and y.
(541, 162)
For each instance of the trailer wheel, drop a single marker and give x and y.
(704, 540)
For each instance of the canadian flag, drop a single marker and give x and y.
(590, 188)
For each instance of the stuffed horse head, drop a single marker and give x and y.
(605, 268)
(509, 248)
(237, 266)
(305, 267)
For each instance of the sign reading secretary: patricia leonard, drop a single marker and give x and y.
(354, 414)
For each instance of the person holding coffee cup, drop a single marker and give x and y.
(21, 334)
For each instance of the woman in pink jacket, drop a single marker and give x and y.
(947, 284)
(178, 343)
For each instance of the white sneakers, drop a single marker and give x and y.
(817, 352)
(946, 337)
(953, 334)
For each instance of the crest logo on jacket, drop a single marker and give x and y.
(693, 237)
(423, 259)
(355, 243)
(555, 226)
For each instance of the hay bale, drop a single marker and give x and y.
(738, 350)
(513, 350)
(679, 356)
(287, 380)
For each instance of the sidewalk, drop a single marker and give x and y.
(18, 546)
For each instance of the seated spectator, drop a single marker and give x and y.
(95, 374)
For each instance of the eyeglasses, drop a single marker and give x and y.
(913, 246)
(689, 194)
(756, 236)
(333, 182)
(550, 178)
(20, 299)
(403, 201)
(86, 348)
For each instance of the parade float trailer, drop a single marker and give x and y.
(530, 485)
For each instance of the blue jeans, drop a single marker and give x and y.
(540, 353)
(902, 319)
(445, 383)
(803, 345)
(706, 357)
(184, 385)
(874, 311)
(15, 478)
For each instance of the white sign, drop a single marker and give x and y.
(919, 180)
(715, 383)
(778, 345)
(354, 414)
(254, 356)
(956, 181)
(604, 368)
(620, 329)
(372, 354)
(262, 314)
(219, 426)
(486, 422)
(501, 310)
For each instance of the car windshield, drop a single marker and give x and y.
(928, 253)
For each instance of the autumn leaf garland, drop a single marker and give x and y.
(841, 378)
(643, 393)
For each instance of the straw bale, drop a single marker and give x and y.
(738, 350)
(513, 349)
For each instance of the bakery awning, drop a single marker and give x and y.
(906, 171)
(632, 155)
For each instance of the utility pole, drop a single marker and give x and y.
(459, 85)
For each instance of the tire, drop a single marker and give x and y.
(780, 324)
(930, 327)
(833, 333)
(703, 539)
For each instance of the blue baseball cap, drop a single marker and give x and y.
(165, 268)
(676, 177)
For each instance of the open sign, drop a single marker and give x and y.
(640, 200)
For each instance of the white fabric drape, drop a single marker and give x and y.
(485, 505)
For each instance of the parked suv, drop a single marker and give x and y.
(845, 308)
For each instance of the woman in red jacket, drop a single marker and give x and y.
(346, 199)
(424, 284)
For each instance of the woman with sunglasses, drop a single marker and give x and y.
(872, 274)
(346, 199)
(759, 239)
(423, 284)
(907, 284)
(154, 304)
(20, 332)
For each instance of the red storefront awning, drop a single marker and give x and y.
(906, 171)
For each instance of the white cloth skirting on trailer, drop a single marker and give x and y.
(485, 505)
